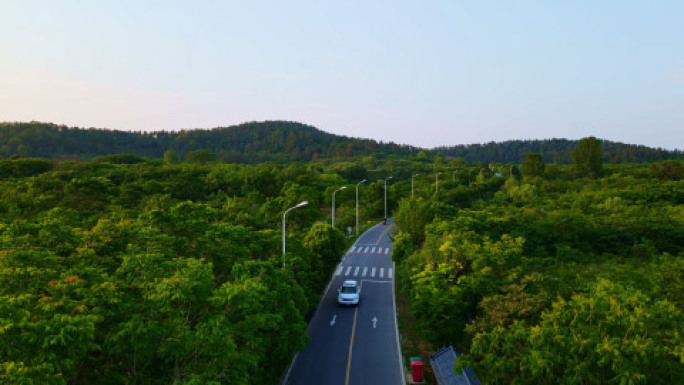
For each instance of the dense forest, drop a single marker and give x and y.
(553, 275)
(127, 269)
(163, 273)
(254, 142)
(555, 151)
(280, 142)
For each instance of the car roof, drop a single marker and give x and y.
(349, 283)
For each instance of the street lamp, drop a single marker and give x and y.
(304, 203)
(414, 175)
(333, 205)
(357, 207)
(385, 221)
(437, 181)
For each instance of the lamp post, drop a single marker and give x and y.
(385, 221)
(357, 207)
(333, 204)
(437, 182)
(413, 177)
(304, 203)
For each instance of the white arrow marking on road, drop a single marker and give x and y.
(333, 320)
(375, 322)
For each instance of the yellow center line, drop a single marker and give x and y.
(351, 343)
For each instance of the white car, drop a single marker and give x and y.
(349, 293)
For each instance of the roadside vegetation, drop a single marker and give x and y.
(127, 269)
(563, 274)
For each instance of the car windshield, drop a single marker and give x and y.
(348, 290)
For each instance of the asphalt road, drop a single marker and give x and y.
(355, 345)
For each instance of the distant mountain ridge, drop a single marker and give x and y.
(555, 151)
(278, 141)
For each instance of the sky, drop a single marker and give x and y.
(424, 73)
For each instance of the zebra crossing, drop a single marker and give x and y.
(369, 250)
(364, 271)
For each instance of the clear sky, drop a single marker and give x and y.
(426, 73)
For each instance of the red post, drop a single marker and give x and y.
(417, 367)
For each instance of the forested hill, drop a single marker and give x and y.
(252, 142)
(555, 151)
(278, 141)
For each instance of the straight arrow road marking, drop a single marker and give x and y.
(375, 322)
(332, 323)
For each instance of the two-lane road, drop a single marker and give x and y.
(356, 345)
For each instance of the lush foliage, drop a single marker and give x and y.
(281, 142)
(245, 143)
(554, 278)
(122, 270)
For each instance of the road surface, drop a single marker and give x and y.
(355, 345)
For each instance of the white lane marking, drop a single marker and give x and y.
(389, 273)
(375, 322)
(396, 331)
(339, 270)
(387, 250)
(382, 271)
(356, 271)
(373, 272)
(373, 250)
(348, 270)
(366, 249)
(365, 269)
(332, 323)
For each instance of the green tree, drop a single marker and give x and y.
(587, 157)
(327, 243)
(200, 156)
(412, 217)
(613, 334)
(533, 165)
(171, 156)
